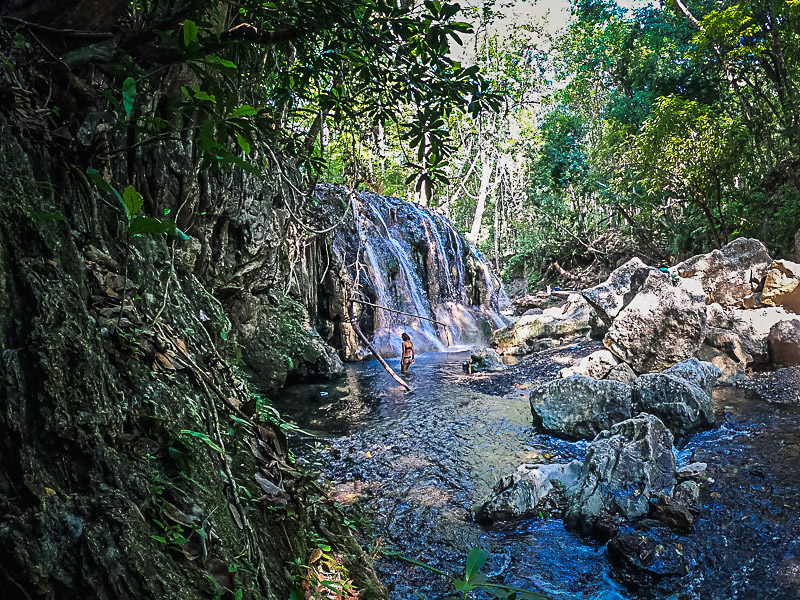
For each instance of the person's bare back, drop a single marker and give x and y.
(408, 356)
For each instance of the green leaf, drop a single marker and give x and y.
(244, 110)
(133, 201)
(190, 30)
(128, 94)
(150, 226)
(94, 176)
(475, 560)
(461, 586)
(243, 143)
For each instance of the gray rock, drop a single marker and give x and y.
(596, 365)
(783, 343)
(525, 335)
(663, 325)
(702, 374)
(641, 561)
(614, 294)
(579, 407)
(673, 513)
(533, 311)
(622, 372)
(682, 406)
(692, 472)
(731, 274)
(529, 490)
(486, 359)
(780, 387)
(624, 468)
(688, 492)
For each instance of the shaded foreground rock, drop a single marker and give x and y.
(682, 406)
(643, 560)
(580, 407)
(531, 489)
(663, 325)
(731, 274)
(624, 468)
(622, 372)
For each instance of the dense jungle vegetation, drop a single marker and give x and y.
(671, 127)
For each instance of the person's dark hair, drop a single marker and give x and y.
(406, 337)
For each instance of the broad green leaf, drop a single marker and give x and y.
(97, 179)
(150, 226)
(475, 560)
(133, 201)
(128, 94)
(243, 143)
(190, 30)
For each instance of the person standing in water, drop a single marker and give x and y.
(408, 357)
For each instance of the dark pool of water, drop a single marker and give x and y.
(413, 463)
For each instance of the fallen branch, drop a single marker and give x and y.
(400, 312)
(372, 349)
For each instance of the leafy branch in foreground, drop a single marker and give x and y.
(473, 579)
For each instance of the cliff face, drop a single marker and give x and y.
(136, 461)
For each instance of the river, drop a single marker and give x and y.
(409, 465)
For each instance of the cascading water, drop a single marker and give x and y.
(423, 276)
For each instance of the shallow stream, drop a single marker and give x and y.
(412, 464)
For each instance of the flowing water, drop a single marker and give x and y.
(412, 465)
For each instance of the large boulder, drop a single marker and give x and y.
(624, 468)
(579, 407)
(485, 359)
(622, 372)
(682, 406)
(702, 374)
(782, 286)
(784, 344)
(529, 490)
(731, 274)
(562, 322)
(663, 325)
(724, 350)
(596, 365)
(614, 294)
(753, 327)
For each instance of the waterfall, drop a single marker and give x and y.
(415, 262)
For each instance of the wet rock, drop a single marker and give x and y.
(643, 560)
(702, 374)
(611, 296)
(624, 468)
(486, 359)
(781, 386)
(783, 343)
(663, 325)
(579, 407)
(731, 274)
(529, 490)
(681, 405)
(688, 492)
(533, 311)
(782, 285)
(692, 472)
(753, 327)
(622, 372)
(674, 513)
(597, 365)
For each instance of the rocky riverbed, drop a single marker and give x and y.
(411, 468)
